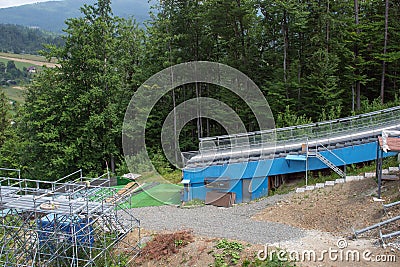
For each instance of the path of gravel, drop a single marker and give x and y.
(231, 223)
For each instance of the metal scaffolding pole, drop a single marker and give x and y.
(62, 224)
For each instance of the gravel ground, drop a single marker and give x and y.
(231, 223)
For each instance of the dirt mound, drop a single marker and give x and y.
(163, 245)
(335, 209)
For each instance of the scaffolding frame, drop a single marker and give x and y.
(82, 223)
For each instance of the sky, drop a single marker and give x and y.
(10, 3)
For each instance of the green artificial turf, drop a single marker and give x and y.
(162, 194)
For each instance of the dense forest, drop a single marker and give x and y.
(313, 60)
(19, 39)
(11, 75)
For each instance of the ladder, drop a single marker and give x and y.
(329, 163)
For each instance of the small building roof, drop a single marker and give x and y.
(393, 143)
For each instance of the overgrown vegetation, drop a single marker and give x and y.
(226, 253)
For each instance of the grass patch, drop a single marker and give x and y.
(371, 166)
(285, 189)
(194, 203)
(173, 177)
(159, 195)
(15, 93)
(390, 162)
(19, 65)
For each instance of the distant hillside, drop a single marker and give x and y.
(50, 16)
(19, 39)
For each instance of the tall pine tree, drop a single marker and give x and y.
(73, 114)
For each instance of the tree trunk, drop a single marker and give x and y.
(199, 121)
(242, 36)
(112, 164)
(285, 51)
(327, 28)
(384, 50)
(356, 54)
(175, 130)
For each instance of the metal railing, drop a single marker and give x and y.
(267, 142)
(35, 214)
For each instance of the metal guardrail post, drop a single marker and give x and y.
(357, 232)
(12, 170)
(386, 206)
(389, 235)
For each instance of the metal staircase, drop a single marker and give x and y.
(328, 163)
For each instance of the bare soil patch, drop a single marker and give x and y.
(332, 213)
(164, 250)
(336, 209)
(163, 245)
(33, 62)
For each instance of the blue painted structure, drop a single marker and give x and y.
(246, 171)
(195, 187)
(69, 225)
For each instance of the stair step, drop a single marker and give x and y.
(354, 178)
(300, 190)
(310, 188)
(339, 181)
(329, 183)
(393, 169)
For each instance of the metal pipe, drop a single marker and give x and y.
(13, 170)
(390, 235)
(278, 147)
(69, 175)
(391, 204)
(380, 164)
(357, 232)
(369, 115)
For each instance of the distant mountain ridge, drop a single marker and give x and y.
(50, 16)
(20, 39)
